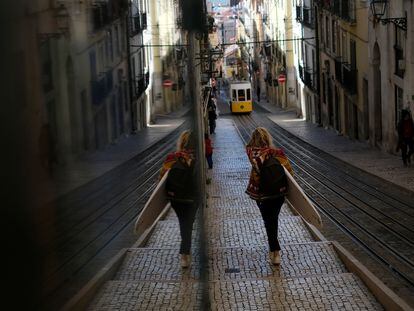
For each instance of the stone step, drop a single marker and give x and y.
(297, 260)
(323, 292)
(238, 210)
(167, 235)
(156, 264)
(248, 232)
(124, 295)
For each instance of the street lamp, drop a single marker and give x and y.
(378, 8)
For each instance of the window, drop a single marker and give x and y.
(241, 95)
(234, 96)
(248, 94)
(352, 50)
(333, 36)
(327, 34)
(118, 50)
(352, 10)
(46, 63)
(110, 45)
(344, 47)
(398, 103)
(399, 52)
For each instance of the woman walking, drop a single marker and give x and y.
(259, 149)
(184, 207)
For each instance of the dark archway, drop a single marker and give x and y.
(73, 116)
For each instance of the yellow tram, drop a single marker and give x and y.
(240, 97)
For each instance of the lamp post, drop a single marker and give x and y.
(378, 8)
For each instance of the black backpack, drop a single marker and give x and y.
(180, 184)
(273, 180)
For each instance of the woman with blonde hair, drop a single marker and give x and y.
(183, 204)
(259, 149)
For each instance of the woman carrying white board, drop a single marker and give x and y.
(261, 152)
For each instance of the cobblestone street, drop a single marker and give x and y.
(311, 275)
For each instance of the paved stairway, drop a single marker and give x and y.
(311, 276)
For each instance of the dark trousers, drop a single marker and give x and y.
(186, 215)
(209, 158)
(270, 210)
(407, 145)
(212, 124)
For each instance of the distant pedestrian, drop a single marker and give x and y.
(180, 164)
(209, 150)
(258, 93)
(406, 137)
(260, 149)
(212, 114)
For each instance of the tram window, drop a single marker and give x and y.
(241, 95)
(234, 95)
(248, 94)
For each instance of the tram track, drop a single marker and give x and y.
(347, 207)
(101, 224)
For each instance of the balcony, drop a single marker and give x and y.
(304, 16)
(350, 79)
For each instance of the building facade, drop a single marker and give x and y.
(343, 37)
(168, 55)
(391, 70)
(306, 55)
(84, 69)
(139, 63)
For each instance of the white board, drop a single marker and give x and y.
(154, 206)
(301, 203)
